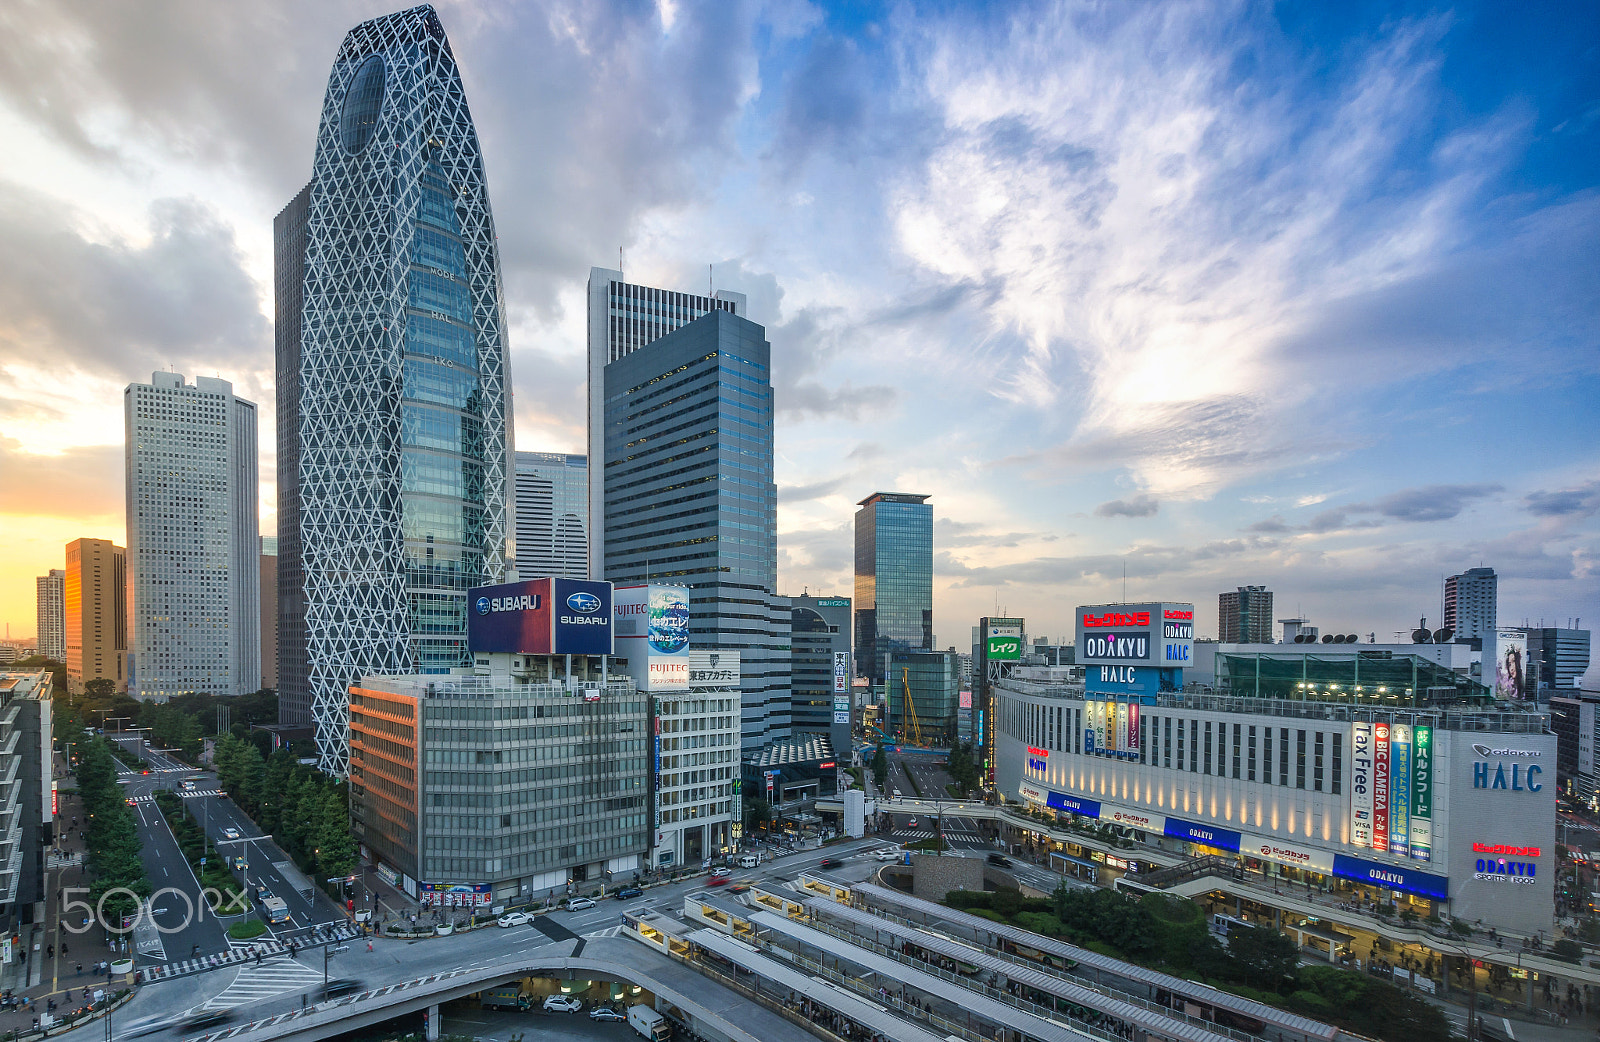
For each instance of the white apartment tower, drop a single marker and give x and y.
(624, 317)
(552, 515)
(1471, 602)
(193, 538)
(52, 618)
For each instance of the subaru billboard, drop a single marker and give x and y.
(546, 616)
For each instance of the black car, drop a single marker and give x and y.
(1000, 859)
(629, 892)
(830, 862)
(341, 986)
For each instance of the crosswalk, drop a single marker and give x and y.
(157, 770)
(949, 834)
(244, 953)
(610, 931)
(150, 797)
(263, 982)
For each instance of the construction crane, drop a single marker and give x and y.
(913, 725)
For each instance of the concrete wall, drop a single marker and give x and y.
(935, 876)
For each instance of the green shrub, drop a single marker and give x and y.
(246, 930)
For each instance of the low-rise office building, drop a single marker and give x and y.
(27, 820)
(695, 762)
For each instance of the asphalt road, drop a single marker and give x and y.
(185, 925)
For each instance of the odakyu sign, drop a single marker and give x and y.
(1406, 880)
(1155, 634)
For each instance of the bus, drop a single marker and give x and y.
(276, 909)
(1223, 925)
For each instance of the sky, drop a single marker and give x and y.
(1209, 294)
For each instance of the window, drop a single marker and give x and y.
(1166, 748)
(1338, 762)
(1236, 752)
(1180, 744)
(1208, 746)
(1316, 765)
(1283, 756)
(1250, 768)
(1194, 746)
(1300, 759)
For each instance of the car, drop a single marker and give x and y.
(911, 823)
(606, 1013)
(145, 1026)
(562, 1004)
(830, 862)
(897, 794)
(887, 854)
(341, 986)
(719, 877)
(1000, 859)
(205, 1018)
(749, 861)
(576, 903)
(230, 833)
(629, 892)
(514, 919)
(739, 888)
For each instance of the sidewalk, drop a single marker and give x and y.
(54, 973)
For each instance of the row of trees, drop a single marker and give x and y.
(111, 833)
(1170, 933)
(965, 766)
(307, 812)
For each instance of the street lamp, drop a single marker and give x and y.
(327, 954)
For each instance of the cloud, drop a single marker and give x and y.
(1141, 505)
(802, 349)
(1579, 502)
(1427, 503)
(80, 483)
(181, 297)
(815, 490)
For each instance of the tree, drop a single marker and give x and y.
(757, 813)
(880, 768)
(1061, 898)
(100, 689)
(1262, 957)
(336, 854)
(275, 779)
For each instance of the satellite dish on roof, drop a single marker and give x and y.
(1421, 636)
(1351, 638)
(1327, 638)
(1443, 636)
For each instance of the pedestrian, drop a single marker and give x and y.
(80, 969)
(369, 946)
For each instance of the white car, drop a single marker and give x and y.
(230, 833)
(515, 919)
(887, 854)
(562, 1004)
(911, 823)
(575, 903)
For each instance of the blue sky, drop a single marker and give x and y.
(1294, 295)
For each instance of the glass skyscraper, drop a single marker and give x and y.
(894, 579)
(690, 499)
(404, 464)
(552, 515)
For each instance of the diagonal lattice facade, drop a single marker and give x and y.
(404, 461)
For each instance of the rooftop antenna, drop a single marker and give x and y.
(1124, 580)
(619, 259)
(711, 282)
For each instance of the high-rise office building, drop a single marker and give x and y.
(1561, 656)
(1471, 603)
(193, 538)
(820, 669)
(52, 616)
(269, 612)
(922, 698)
(404, 450)
(623, 317)
(690, 500)
(1245, 616)
(27, 820)
(95, 608)
(289, 280)
(552, 515)
(894, 579)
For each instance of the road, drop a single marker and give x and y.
(280, 984)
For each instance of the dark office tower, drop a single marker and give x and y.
(404, 461)
(289, 274)
(689, 497)
(1245, 616)
(623, 317)
(894, 579)
(820, 697)
(1560, 655)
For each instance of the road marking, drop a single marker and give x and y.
(263, 982)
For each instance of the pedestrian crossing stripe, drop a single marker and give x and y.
(263, 982)
(192, 793)
(610, 931)
(238, 954)
(157, 770)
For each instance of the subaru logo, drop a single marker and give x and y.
(483, 605)
(583, 602)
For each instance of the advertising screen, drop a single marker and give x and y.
(1003, 647)
(540, 617)
(1400, 790)
(1380, 785)
(1422, 793)
(1510, 664)
(1361, 784)
(652, 632)
(1156, 634)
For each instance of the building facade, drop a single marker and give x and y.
(193, 538)
(499, 789)
(622, 318)
(95, 606)
(690, 499)
(894, 579)
(924, 689)
(552, 514)
(269, 612)
(1560, 655)
(27, 822)
(1472, 603)
(695, 769)
(1244, 616)
(404, 462)
(288, 302)
(52, 615)
(996, 651)
(820, 668)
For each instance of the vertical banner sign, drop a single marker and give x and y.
(1133, 729)
(1380, 786)
(1100, 727)
(1400, 790)
(841, 673)
(1422, 793)
(1088, 729)
(1122, 730)
(1360, 784)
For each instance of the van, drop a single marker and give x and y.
(897, 794)
(749, 861)
(576, 903)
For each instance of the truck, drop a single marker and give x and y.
(276, 909)
(507, 997)
(648, 1023)
(295, 878)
